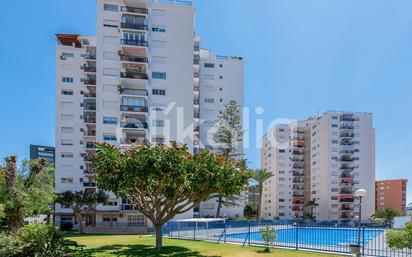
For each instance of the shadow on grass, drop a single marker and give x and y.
(141, 251)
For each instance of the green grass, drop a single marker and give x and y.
(143, 246)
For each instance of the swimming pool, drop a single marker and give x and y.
(313, 236)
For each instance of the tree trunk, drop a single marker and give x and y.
(15, 220)
(159, 236)
(260, 202)
(80, 220)
(219, 206)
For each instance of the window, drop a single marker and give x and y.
(67, 55)
(158, 123)
(209, 65)
(66, 142)
(158, 92)
(159, 140)
(67, 117)
(67, 80)
(67, 92)
(67, 130)
(67, 155)
(158, 75)
(66, 180)
(209, 100)
(110, 120)
(67, 104)
(110, 40)
(132, 101)
(109, 137)
(334, 125)
(110, 56)
(110, 24)
(158, 109)
(109, 88)
(159, 29)
(111, 72)
(111, 7)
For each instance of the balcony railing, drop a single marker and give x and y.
(131, 75)
(89, 81)
(90, 145)
(129, 141)
(134, 125)
(125, 25)
(348, 200)
(133, 42)
(132, 91)
(133, 108)
(90, 120)
(133, 10)
(90, 56)
(196, 115)
(89, 68)
(196, 102)
(90, 107)
(89, 184)
(127, 58)
(92, 95)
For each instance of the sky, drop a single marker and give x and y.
(302, 57)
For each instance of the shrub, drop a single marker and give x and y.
(10, 246)
(41, 240)
(67, 226)
(401, 239)
(269, 236)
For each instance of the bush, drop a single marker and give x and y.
(401, 239)
(10, 246)
(41, 240)
(67, 226)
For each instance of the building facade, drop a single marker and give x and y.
(325, 158)
(391, 194)
(138, 80)
(42, 152)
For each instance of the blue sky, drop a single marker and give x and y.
(302, 57)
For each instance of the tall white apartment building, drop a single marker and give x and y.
(140, 79)
(325, 158)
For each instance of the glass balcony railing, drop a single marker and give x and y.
(133, 108)
(133, 42)
(134, 10)
(132, 75)
(127, 58)
(126, 25)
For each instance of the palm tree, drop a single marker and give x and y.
(387, 214)
(260, 176)
(312, 204)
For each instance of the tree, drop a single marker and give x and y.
(81, 201)
(312, 204)
(164, 181)
(260, 176)
(387, 214)
(269, 236)
(248, 212)
(25, 191)
(400, 239)
(228, 139)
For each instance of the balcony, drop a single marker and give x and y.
(90, 145)
(90, 133)
(347, 200)
(134, 26)
(134, 59)
(196, 115)
(90, 95)
(90, 56)
(346, 217)
(347, 117)
(348, 127)
(346, 208)
(298, 174)
(133, 140)
(347, 135)
(90, 120)
(298, 181)
(89, 184)
(133, 108)
(134, 75)
(129, 42)
(133, 92)
(90, 107)
(89, 68)
(89, 171)
(134, 10)
(196, 102)
(133, 125)
(89, 81)
(196, 129)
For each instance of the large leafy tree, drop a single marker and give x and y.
(81, 201)
(312, 204)
(387, 214)
(164, 181)
(260, 176)
(26, 190)
(228, 140)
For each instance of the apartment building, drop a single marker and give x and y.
(42, 152)
(138, 80)
(325, 158)
(391, 194)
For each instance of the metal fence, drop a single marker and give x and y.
(337, 239)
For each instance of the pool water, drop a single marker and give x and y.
(317, 236)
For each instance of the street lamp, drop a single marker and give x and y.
(360, 193)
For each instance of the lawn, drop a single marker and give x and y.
(126, 245)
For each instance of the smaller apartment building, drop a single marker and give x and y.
(325, 158)
(391, 194)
